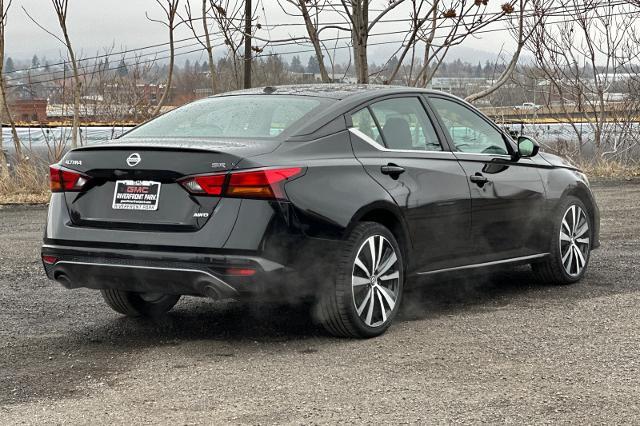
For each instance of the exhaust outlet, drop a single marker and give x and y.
(63, 279)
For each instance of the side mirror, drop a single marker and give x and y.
(527, 147)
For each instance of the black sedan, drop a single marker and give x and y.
(334, 194)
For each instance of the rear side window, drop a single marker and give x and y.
(363, 121)
(241, 116)
(405, 125)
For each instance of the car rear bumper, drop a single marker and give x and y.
(210, 275)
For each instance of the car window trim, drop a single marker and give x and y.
(465, 156)
(378, 126)
(379, 147)
(442, 135)
(425, 106)
(510, 147)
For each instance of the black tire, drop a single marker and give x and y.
(336, 307)
(552, 270)
(135, 304)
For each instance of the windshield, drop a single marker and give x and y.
(241, 116)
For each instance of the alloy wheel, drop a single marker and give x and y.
(375, 281)
(575, 240)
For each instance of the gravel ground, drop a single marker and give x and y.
(466, 349)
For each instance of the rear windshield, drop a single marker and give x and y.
(240, 116)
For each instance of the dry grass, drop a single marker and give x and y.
(26, 184)
(611, 169)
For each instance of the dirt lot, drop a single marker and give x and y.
(496, 348)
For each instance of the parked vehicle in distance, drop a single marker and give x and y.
(332, 193)
(528, 106)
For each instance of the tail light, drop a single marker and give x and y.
(262, 183)
(240, 272)
(49, 260)
(205, 184)
(267, 183)
(63, 180)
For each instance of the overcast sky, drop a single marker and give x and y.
(94, 25)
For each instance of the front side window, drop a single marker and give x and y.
(405, 125)
(469, 132)
(241, 116)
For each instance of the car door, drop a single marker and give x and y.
(398, 145)
(507, 194)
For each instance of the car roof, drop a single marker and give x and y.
(337, 91)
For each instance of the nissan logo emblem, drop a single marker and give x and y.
(134, 159)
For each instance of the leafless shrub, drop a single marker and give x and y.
(27, 183)
(4, 10)
(585, 61)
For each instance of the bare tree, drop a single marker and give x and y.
(61, 8)
(170, 10)
(583, 59)
(449, 24)
(357, 13)
(417, 23)
(309, 11)
(4, 9)
(226, 13)
(205, 38)
(133, 85)
(522, 33)
(359, 20)
(270, 71)
(437, 25)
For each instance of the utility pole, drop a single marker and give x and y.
(247, 44)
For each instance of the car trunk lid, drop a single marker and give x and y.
(133, 184)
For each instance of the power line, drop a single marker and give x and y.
(110, 69)
(105, 55)
(94, 64)
(529, 12)
(295, 43)
(299, 51)
(485, 31)
(533, 13)
(401, 41)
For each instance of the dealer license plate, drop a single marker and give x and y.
(136, 195)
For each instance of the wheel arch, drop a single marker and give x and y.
(583, 193)
(390, 216)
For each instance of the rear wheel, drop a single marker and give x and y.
(364, 296)
(139, 304)
(570, 245)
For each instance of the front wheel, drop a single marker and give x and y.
(363, 297)
(139, 304)
(570, 245)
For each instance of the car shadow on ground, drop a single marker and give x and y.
(202, 319)
(447, 294)
(99, 351)
(443, 294)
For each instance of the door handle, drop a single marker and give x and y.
(478, 179)
(392, 170)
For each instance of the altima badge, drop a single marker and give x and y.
(134, 159)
